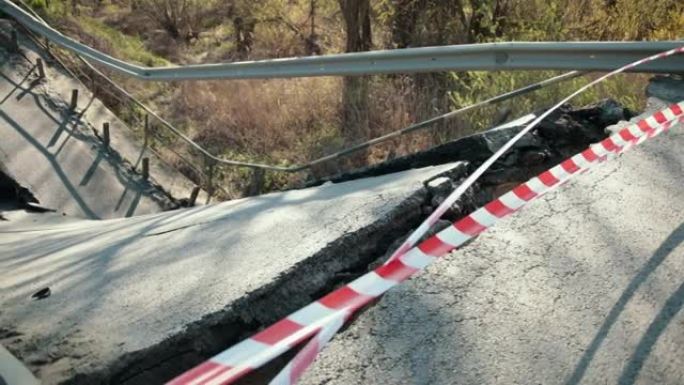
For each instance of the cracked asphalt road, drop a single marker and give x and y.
(584, 286)
(121, 287)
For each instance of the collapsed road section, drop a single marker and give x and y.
(139, 300)
(584, 286)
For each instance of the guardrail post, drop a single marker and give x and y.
(14, 41)
(74, 100)
(256, 185)
(209, 165)
(146, 168)
(193, 196)
(146, 128)
(105, 134)
(41, 68)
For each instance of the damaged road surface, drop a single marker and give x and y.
(128, 295)
(140, 300)
(584, 286)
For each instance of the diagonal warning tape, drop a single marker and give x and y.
(294, 369)
(468, 182)
(323, 316)
(488, 215)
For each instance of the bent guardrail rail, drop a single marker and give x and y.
(338, 154)
(586, 56)
(491, 56)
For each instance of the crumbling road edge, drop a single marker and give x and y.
(280, 337)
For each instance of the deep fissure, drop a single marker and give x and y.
(562, 135)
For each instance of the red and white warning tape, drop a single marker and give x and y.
(463, 187)
(305, 357)
(294, 369)
(334, 307)
(325, 316)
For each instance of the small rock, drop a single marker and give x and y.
(437, 182)
(42, 293)
(439, 188)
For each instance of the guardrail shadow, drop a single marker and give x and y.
(672, 306)
(17, 86)
(68, 123)
(58, 171)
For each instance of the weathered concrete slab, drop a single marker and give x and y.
(584, 286)
(122, 288)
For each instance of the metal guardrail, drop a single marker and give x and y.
(586, 56)
(211, 158)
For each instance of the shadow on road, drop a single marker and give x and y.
(55, 165)
(672, 306)
(68, 124)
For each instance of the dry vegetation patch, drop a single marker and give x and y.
(296, 120)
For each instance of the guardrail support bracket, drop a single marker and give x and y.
(74, 100)
(41, 68)
(193, 196)
(105, 134)
(256, 185)
(146, 168)
(14, 41)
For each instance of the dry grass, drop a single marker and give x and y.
(293, 121)
(289, 122)
(273, 119)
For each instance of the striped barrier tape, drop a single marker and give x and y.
(290, 374)
(460, 190)
(318, 316)
(281, 336)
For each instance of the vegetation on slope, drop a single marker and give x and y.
(288, 121)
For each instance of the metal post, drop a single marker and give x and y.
(209, 166)
(193, 196)
(105, 134)
(146, 168)
(257, 183)
(41, 68)
(14, 41)
(74, 100)
(146, 128)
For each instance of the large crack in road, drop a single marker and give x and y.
(584, 286)
(564, 133)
